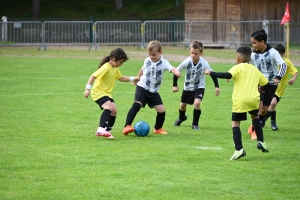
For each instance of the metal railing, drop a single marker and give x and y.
(181, 32)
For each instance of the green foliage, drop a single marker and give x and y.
(100, 10)
(49, 151)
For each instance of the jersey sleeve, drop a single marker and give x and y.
(118, 74)
(167, 65)
(291, 69)
(183, 65)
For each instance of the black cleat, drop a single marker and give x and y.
(195, 127)
(179, 121)
(274, 125)
(262, 146)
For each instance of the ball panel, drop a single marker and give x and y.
(141, 129)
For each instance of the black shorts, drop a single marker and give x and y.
(267, 97)
(102, 101)
(189, 97)
(277, 98)
(243, 116)
(146, 97)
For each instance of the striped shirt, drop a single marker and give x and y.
(195, 74)
(153, 74)
(268, 62)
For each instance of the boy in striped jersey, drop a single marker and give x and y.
(151, 76)
(292, 70)
(194, 84)
(267, 60)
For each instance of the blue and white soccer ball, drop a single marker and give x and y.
(141, 129)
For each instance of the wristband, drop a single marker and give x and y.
(88, 87)
(131, 78)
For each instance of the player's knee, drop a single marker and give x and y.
(136, 107)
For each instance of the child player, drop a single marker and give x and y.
(151, 76)
(104, 78)
(267, 60)
(292, 70)
(245, 98)
(194, 85)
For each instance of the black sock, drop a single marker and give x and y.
(104, 118)
(258, 129)
(261, 117)
(132, 113)
(160, 119)
(273, 115)
(196, 116)
(237, 138)
(266, 117)
(111, 122)
(181, 114)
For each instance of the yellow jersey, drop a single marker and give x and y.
(245, 96)
(104, 82)
(290, 69)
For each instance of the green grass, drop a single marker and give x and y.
(49, 151)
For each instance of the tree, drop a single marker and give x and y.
(36, 7)
(118, 4)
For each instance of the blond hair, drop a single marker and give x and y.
(154, 45)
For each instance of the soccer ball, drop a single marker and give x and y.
(141, 129)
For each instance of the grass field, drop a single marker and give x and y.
(49, 150)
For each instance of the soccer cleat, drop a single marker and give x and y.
(274, 125)
(250, 129)
(128, 129)
(253, 136)
(179, 121)
(262, 146)
(195, 127)
(160, 131)
(238, 154)
(102, 132)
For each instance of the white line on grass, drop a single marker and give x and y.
(208, 148)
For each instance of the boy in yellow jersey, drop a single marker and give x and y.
(292, 70)
(104, 78)
(245, 98)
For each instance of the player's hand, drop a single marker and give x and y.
(276, 81)
(207, 72)
(228, 80)
(291, 82)
(178, 74)
(217, 91)
(86, 93)
(136, 80)
(260, 90)
(175, 89)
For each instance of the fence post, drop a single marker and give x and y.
(265, 26)
(43, 47)
(4, 29)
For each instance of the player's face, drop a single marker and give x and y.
(154, 55)
(258, 46)
(195, 55)
(115, 63)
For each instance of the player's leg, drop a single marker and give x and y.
(182, 109)
(113, 115)
(198, 97)
(266, 99)
(106, 105)
(156, 102)
(272, 112)
(237, 135)
(259, 131)
(139, 101)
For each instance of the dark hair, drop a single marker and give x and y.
(260, 35)
(197, 45)
(117, 53)
(245, 52)
(280, 48)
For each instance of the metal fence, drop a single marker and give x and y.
(94, 34)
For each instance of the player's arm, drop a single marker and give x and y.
(88, 86)
(175, 85)
(224, 75)
(293, 79)
(129, 78)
